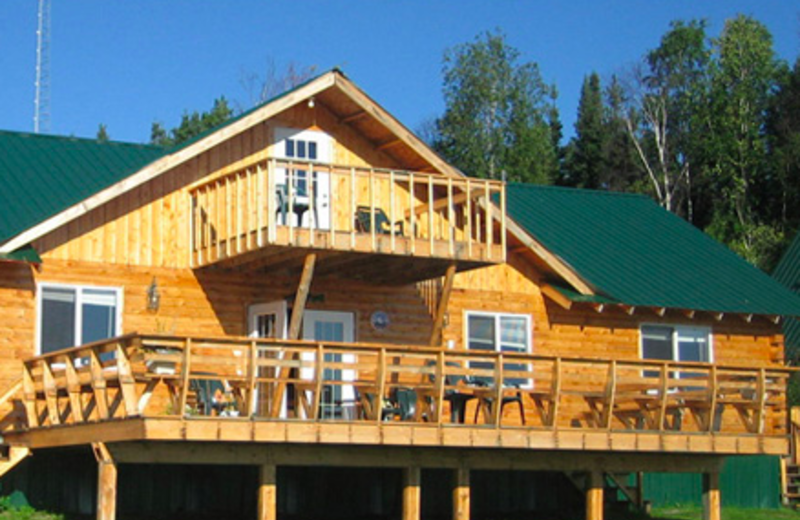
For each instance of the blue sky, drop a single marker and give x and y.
(126, 64)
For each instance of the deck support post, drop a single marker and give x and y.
(594, 495)
(461, 494)
(712, 503)
(267, 492)
(412, 486)
(441, 307)
(106, 482)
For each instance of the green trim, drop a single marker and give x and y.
(25, 254)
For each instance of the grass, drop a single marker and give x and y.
(728, 513)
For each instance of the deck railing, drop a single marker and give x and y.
(143, 375)
(280, 202)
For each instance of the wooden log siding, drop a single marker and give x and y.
(237, 212)
(116, 378)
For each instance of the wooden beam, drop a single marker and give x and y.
(267, 492)
(412, 482)
(300, 299)
(353, 117)
(106, 482)
(419, 209)
(461, 494)
(627, 309)
(441, 309)
(598, 307)
(302, 296)
(555, 295)
(594, 495)
(389, 144)
(712, 504)
(660, 311)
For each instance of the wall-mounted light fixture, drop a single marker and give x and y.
(153, 296)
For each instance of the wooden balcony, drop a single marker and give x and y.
(421, 221)
(158, 388)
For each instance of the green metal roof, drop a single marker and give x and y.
(788, 274)
(42, 175)
(631, 250)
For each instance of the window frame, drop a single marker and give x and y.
(497, 316)
(675, 335)
(79, 300)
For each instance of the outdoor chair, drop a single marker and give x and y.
(505, 399)
(382, 223)
(208, 392)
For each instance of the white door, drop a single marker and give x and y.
(266, 320)
(337, 401)
(311, 200)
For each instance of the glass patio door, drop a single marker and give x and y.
(337, 400)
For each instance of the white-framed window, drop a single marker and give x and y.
(499, 332)
(675, 343)
(70, 315)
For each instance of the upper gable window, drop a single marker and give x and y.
(300, 149)
(75, 315)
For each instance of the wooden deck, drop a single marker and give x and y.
(348, 209)
(159, 388)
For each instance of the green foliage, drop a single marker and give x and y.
(744, 79)
(192, 125)
(102, 133)
(499, 115)
(10, 511)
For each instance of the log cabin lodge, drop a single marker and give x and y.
(320, 317)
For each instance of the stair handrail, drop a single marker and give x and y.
(794, 427)
(13, 390)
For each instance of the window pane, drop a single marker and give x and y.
(312, 150)
(513, 334)
(693, 345)
(99, 322)
(290, 148)
(656, 342)
(58, 319)
(481, 333)
(301, 149)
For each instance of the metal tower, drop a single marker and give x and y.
(41, 115)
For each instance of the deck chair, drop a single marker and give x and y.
(207, 391)
(382, 223)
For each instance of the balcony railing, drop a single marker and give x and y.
(302, 204)
(317, 382)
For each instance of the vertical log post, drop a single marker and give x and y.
(267, 492)
(712, 504)
(106, 482)
(594, 495)
(461, 494)
(411, 493)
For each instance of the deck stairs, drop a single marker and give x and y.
(11, 417)
(790, 465)
(622, 491)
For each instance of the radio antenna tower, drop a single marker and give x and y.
(41, 115)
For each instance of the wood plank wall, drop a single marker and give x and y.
(583, 332)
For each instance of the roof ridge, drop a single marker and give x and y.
(245, 113)
(57, 137)
(585, 191)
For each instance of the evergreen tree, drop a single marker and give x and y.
(585, 165)
(102, 133)
(784, 148)
(496, 115)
